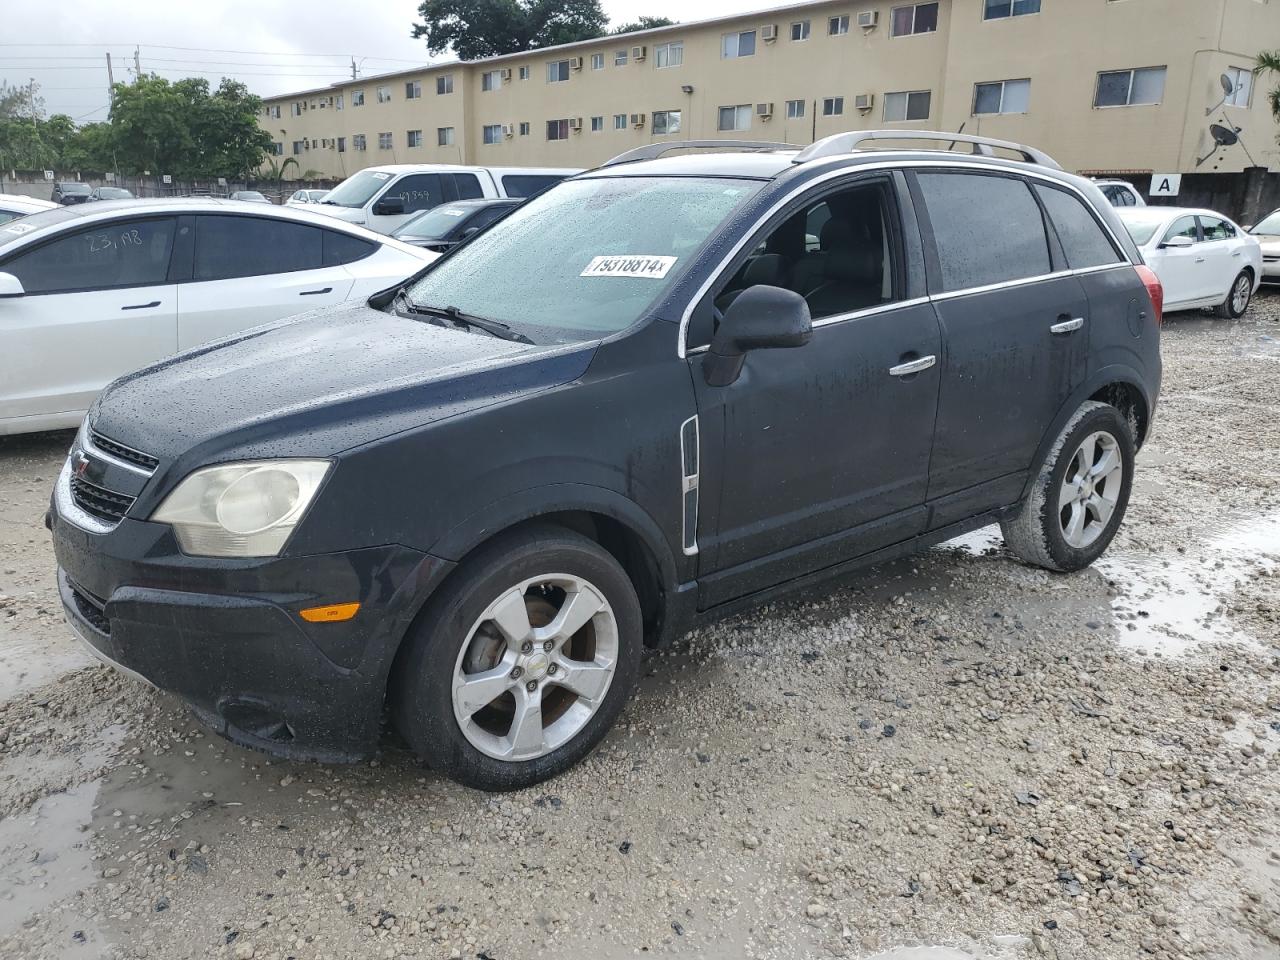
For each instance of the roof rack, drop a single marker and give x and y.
(651, 151)
(842, 143)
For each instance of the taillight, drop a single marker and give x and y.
(1155, 290)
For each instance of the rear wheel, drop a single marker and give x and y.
(522, 663)
(1080, 495)
(1238, 298)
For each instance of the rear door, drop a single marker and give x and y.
(250, 270)
(1014, 325)
(1223, 255)
(99, 303)
(415, 192)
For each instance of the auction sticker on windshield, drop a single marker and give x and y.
(19, 228)
(629, 266)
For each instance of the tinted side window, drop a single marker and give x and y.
(987, 229)
(467, 186)
(124, 253)
(229, 247)
(527, 184)
(486, 217)
(419, 191)
(1216, 229)
(1182, 227)
(1119, 196)
(1083, 239)
(340, 248)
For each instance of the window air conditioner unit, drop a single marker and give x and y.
(864, 101)
(639, 53)
(764, 110)
(867, 19)
(508, 130)
(637, 119)
(769, 32)
(575, 63)
(506, 73)
(575, 123)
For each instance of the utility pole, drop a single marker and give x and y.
(353, 69)
(137, 65)
(111, 79)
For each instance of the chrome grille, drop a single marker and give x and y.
(99, 502)
(121, 452)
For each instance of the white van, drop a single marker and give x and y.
(382, 198)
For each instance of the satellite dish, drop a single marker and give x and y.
(1223, 136)
(1227, 86)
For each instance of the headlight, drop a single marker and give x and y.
(241, 509)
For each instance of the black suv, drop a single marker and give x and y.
(660, 392)
(70, 192)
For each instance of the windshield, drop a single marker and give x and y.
(1269, 227)
(434, 224)
(19, 228)
(357, 190)
(75, 188)
(586, 258)
(1141, 230)
(114, 193)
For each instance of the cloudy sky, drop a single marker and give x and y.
(272, 45)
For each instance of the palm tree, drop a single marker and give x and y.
(1269, 62)
(276, 170)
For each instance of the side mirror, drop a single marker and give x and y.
(389, 207)
(468, 233)
(1178, 243)
(11, 286)
(761, 317)
(1247, 227)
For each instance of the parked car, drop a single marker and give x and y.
(1201, 257)
(636, 404)
(1267, 233)
(110, 193)
(69, 192)
(1120, 193)
(300, 198)
(445, 226)
(95, 291)
(249, 196)
(13, 206)
(383, 198)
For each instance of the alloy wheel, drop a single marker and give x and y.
(1090, 489)
(1240, 294)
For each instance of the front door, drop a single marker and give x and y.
(1182, 269)
(415, 191)
(820, 453)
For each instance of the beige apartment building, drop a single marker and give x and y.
(1105, 86)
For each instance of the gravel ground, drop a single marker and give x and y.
(957, 756)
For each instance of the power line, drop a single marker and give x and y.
(259, 53)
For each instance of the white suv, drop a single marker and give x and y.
(1120, 193)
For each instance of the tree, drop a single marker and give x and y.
(474, 29)
(24, 101)
(644, 23)
(1269, 63)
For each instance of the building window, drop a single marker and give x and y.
(1005, 96)
(1128, 88)
(734, 45)
(795, 109)
(557, 71)
(832, 106)
(444, 84)
(800, 30)
(295, 108)
(999, 9)
(908, 105)
(524, 73)
(342, 144)
(384, 141)
(493, 133)
(277, 149)
(838, 26)
(735, 118)
(274, 112)
(597, 124)
(917, 18)
(666, 122)
(619, 121)
(669, 54)
(444, 136)
(1241, 86)
(412, 89)
(384, 94)
(597, 61)
(558, 129)
(358, 142)
(357, 98)
(338, 102)
(490, 80)
(524, 129)
(297, 147)
(413, 138)
(620, 58)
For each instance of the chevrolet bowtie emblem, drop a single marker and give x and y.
(81, 464)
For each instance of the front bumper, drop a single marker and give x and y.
(1271, 270)
(225, 635)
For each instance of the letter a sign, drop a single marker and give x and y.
(1165, 185)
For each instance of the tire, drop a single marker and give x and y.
(1042, 536)
(480, 631)
(1238, 297)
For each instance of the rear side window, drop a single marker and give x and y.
(527, 184)
(1216, 229)
(419, 191)
(1119, 196)
(123, 253)
(987, 229)
(340, 248)
(228, 247)
(467, 186)
(1083, 240)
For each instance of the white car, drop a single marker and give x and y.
(1201, 257)
(383, 198)
(1120, 193)
(302, 198)
(13, 206)
(1267, 233)
(94, 291)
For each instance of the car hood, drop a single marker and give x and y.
(321, 383)
(1270, 245)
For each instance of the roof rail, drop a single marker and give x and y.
(842, 143)
(651, 151)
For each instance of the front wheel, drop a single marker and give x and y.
(1238, 298)
(1079, 497)
(522, 663)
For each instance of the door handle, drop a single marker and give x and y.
(912, 366)
(313, 293)
(1067, 326)
(1236, 254)
(142, 306)
(1199, 259)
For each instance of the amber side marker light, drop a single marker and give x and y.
(333, 613)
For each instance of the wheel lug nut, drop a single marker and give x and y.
(548, 645)
(531, 686)
(526, 647)
(516, 672)
(552, 670)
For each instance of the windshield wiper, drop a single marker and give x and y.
(493, 327)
